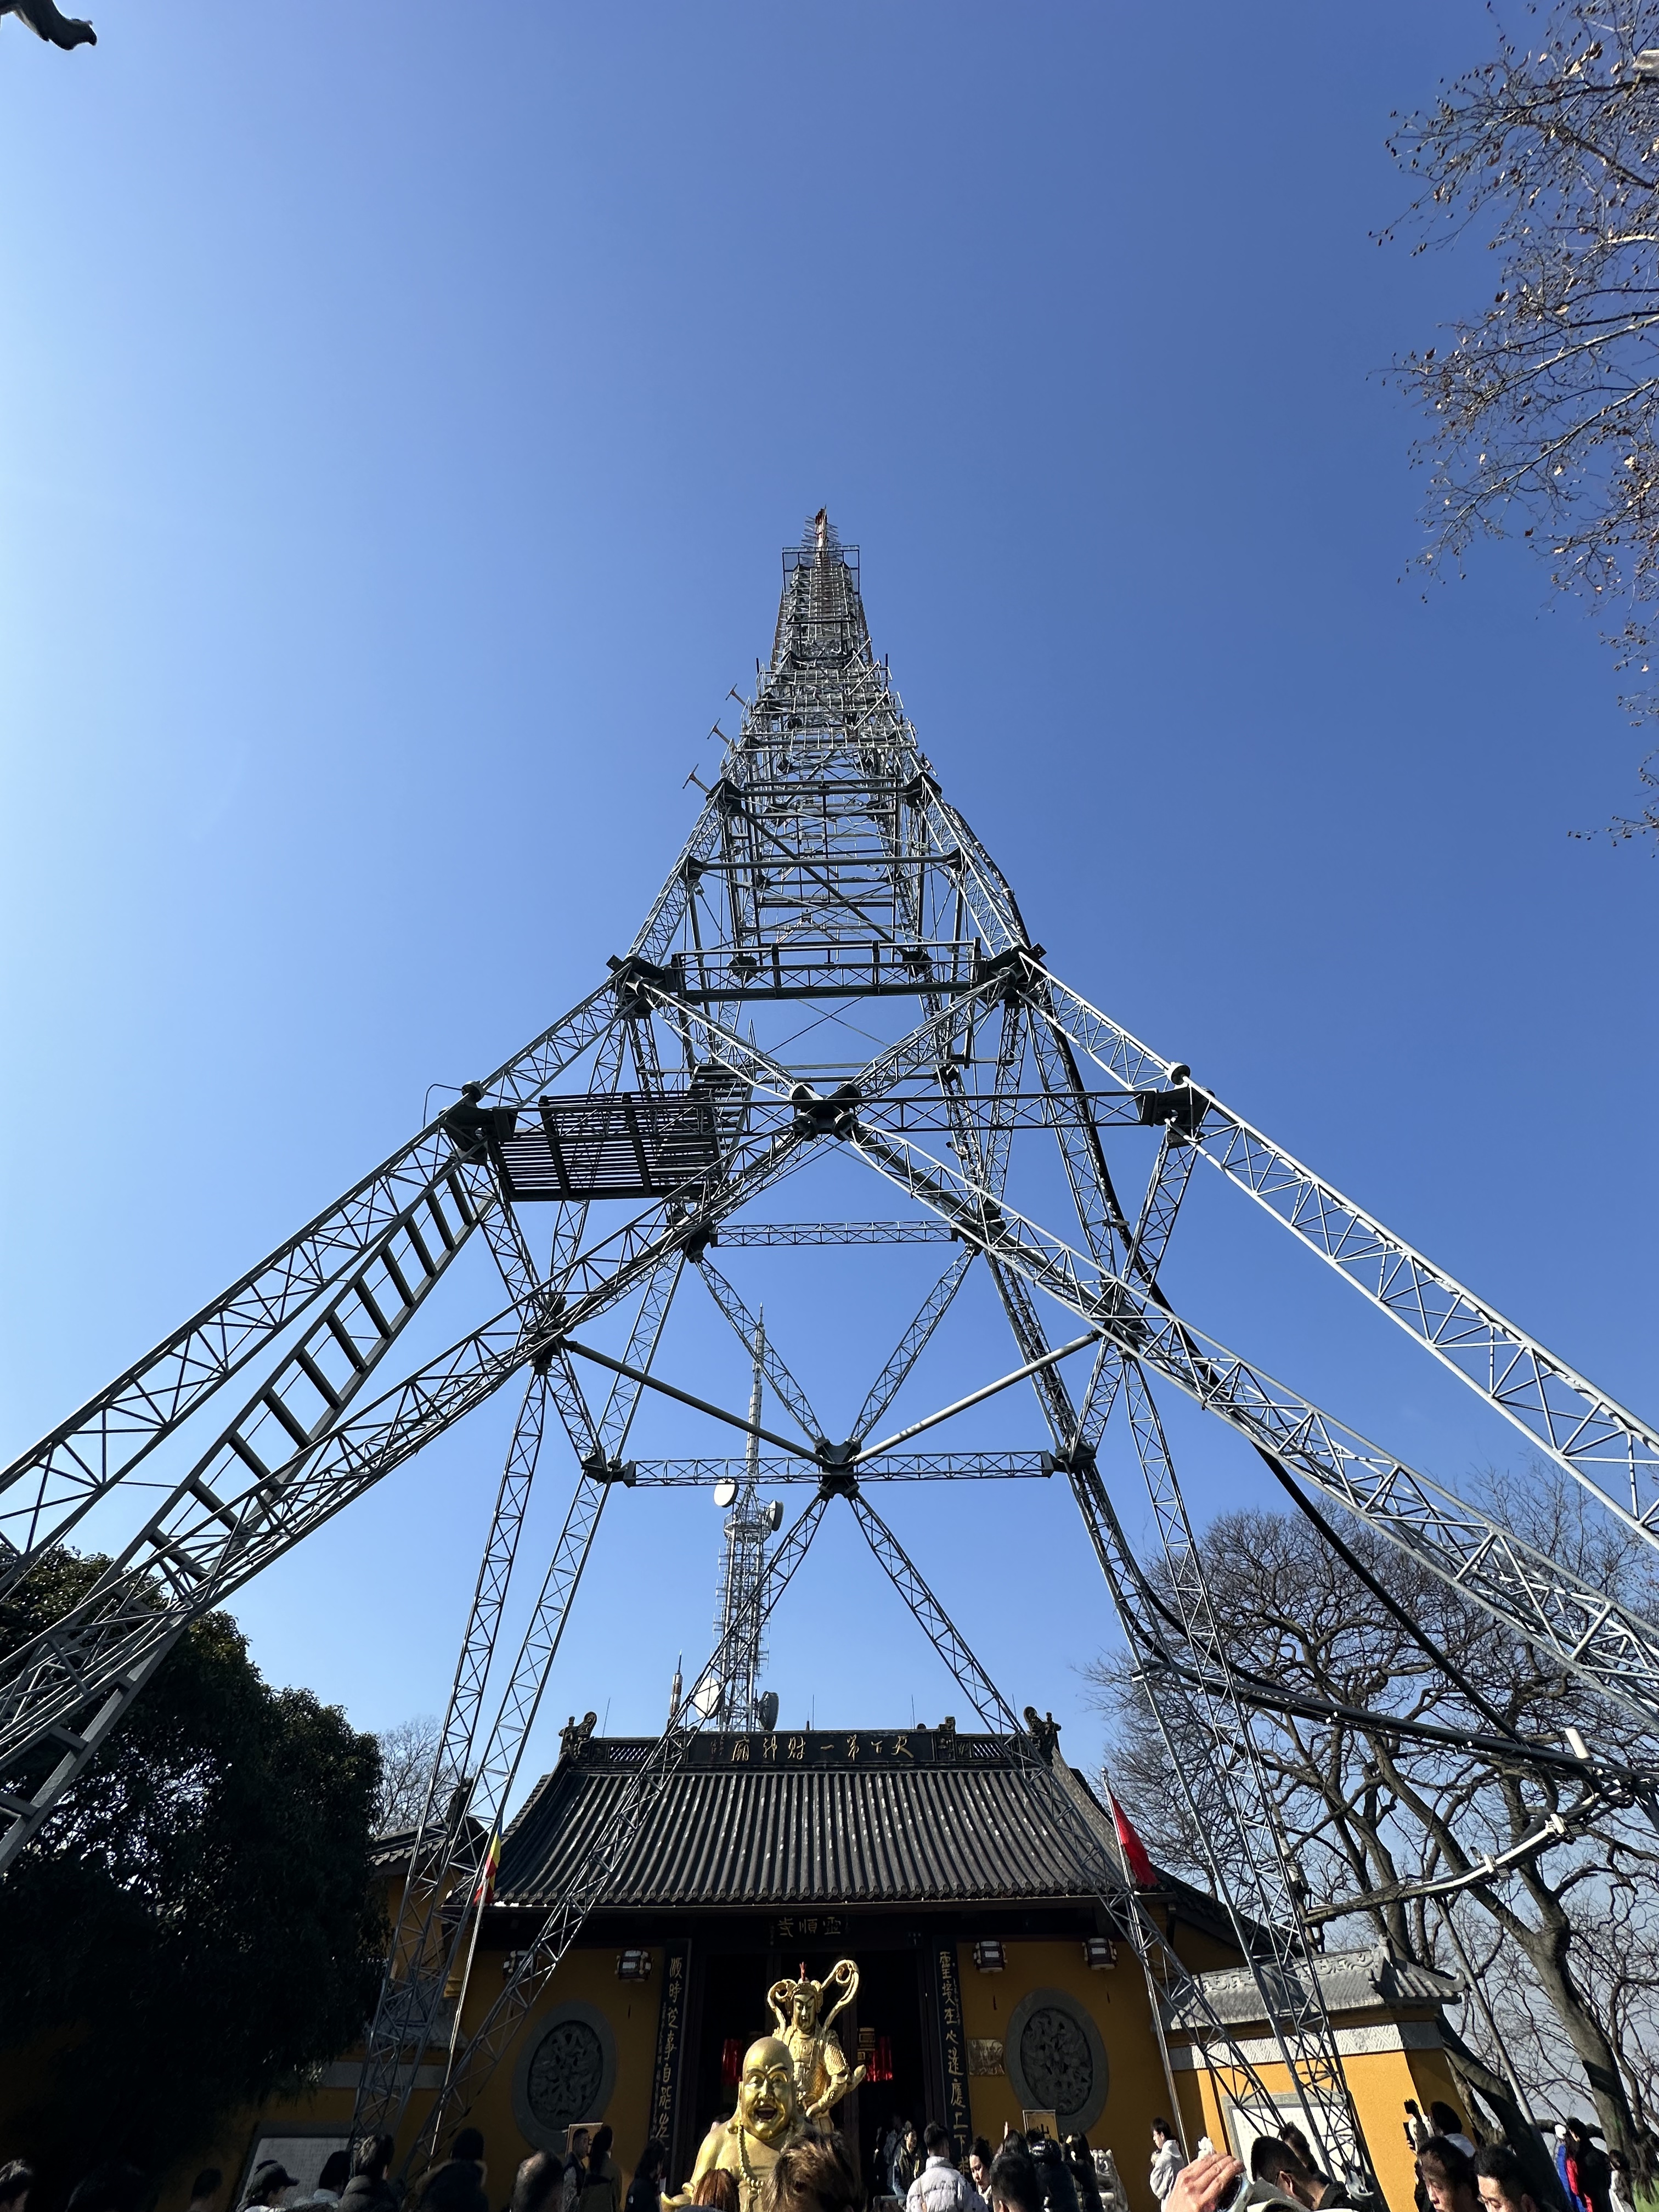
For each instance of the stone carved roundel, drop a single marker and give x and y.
(566, 2072)
(566, 2069)
(1056, 2060)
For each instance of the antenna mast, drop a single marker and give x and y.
(742, 1568)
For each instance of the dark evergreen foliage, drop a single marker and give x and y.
(193, 1925)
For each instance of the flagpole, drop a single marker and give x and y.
(481, 1897)
(1131, 1849)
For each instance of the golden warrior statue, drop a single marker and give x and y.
(768, 2118)
(821, 2079)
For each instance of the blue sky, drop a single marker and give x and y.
(404, 411)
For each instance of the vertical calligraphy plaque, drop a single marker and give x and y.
(952, 2048)
(671, 2042)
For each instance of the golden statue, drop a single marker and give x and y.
(768, 2118)
(821, 2079)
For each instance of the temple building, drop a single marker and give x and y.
(989, 1981)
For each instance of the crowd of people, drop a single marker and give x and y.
(1028, 2172)
(816, 2174)
(1455, 2173)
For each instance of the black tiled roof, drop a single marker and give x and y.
(391, 1851)
(826, 1818)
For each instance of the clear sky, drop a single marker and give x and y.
(405, 408)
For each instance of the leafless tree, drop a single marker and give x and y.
(1616, 1953)
(1554, 1886)
(407, 1752)
(1544, 408)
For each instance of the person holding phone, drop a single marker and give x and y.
(1213, 2182)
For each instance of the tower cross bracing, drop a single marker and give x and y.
(833, 969)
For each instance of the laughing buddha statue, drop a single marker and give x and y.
(767, 2119)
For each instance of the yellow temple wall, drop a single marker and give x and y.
(1379, 2081)
(1380, 2057)
(1115, 1999)
(630, 2008)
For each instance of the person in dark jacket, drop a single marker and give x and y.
(1588, 2171)
(111, 2187)
(908, 2160)
(575, 2164)
(1058, 2191)
(645, 2190)
(1080, 2164)
(1289, 2132)
(368, 2190)
(600, 2189)
(1014, 2184)
(539, 2182)
(1273, 2159)
(330, 2182)
(270, 2184)
(887, 2151)
(457, 2185)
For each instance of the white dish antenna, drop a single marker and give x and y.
(726, 1491)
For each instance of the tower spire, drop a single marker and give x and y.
(742, 1567)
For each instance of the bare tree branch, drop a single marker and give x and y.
(1377, 1816)
(1544, 408)
(407, 1754)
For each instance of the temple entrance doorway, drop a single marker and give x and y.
(890, 2042)
(882, 2028)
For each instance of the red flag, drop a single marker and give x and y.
(1138, 1866)
(485, 1892)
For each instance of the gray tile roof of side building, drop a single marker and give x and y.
(911, 1817)
(1351, 1981)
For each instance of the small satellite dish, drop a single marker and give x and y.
(726, 1491)
(769, 1711)
(707, 1697)
(775, 1515)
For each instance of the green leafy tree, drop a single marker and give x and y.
(193, 1926)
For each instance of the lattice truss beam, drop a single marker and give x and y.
(835, 979)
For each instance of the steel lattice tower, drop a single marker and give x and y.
(739, 1622)
(825, 874)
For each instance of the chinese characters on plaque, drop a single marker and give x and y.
(842, 1748)
(671, 2037)
(952, 2048)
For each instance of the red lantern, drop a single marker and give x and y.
(881, 2064)
(731, 2062)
